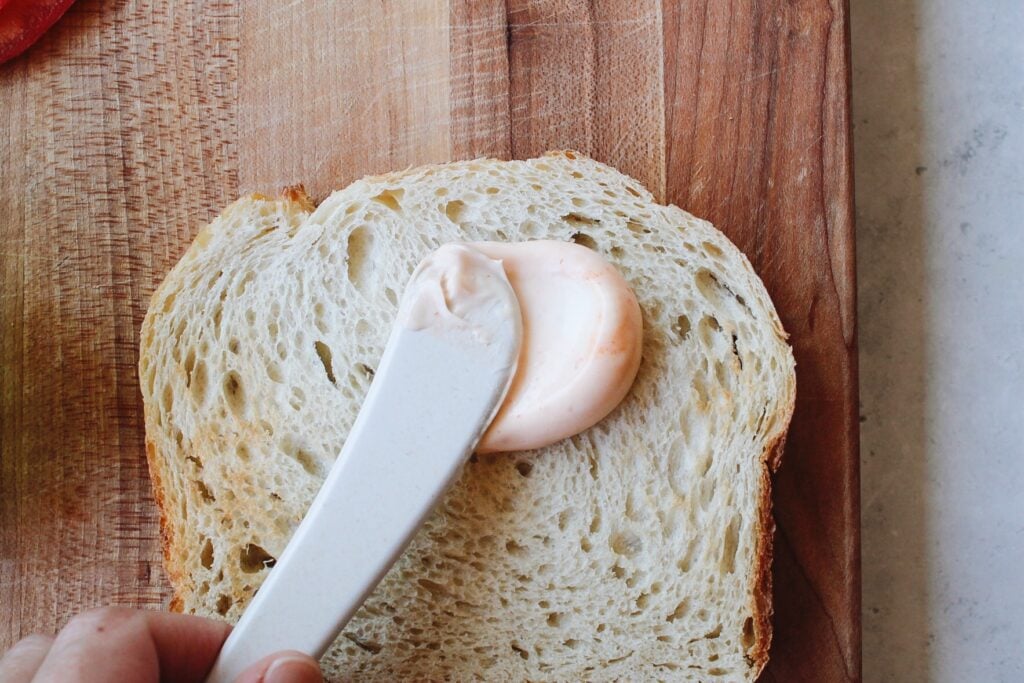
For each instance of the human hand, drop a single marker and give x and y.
(129, 646)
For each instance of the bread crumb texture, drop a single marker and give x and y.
(633, 551)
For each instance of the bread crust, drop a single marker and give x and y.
(762, 607)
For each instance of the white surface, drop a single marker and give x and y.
(939, 115)
(436, 390)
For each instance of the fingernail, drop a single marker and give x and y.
(292, 669)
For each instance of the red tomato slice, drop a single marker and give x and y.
(23, 21)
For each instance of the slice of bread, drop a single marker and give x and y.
(638, 550)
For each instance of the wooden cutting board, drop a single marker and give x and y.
(132, 123)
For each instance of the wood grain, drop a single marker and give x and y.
(121, 142)
(116, 142)
(758, 143)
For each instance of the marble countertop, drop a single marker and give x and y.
(938, 108)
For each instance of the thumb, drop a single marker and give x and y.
(283, 667)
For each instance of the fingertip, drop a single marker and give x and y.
(23, 660)
(283, 667)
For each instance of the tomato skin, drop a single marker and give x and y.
(22, 22)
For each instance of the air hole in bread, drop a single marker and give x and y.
(524, 468)
(223, 604)
(707, 493)
(391, 198)
(643, 600)
(699, 388)
(717, 671)
(748, 638)
(578, 219)
(199, 383)
(273, 329)
(686, 561)
(308, 462)
(323, 351)
(455, 210)
(433, 587)
(274, 373)
(204, 491)
(250, 316)
(618, 572)
(367, 371)
(617, 252)
(722, 374)
(252, 558)
(713, 633)
(234, 394)
(585, 545)
(520, 651)
(318, 317)
(709, 286)
(297, 399)
(555, 619)
(364, 645)
(563, 519)
(584, 240)
(637, 228)
(712, 250)
(571, 643)
(709, 324)
(391, 296)
(730, 546)
(681, 327)
(244, 282)
(632, 509)
(680, 611)
(515, 549)
(626, 543)
(736, 350)
(167, 398)
(206, 555)
(529, 228)
(358, 250)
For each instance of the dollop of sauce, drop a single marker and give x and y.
(460, 288)
(582, 338)
(582, 330)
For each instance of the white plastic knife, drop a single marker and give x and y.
(443, 375)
